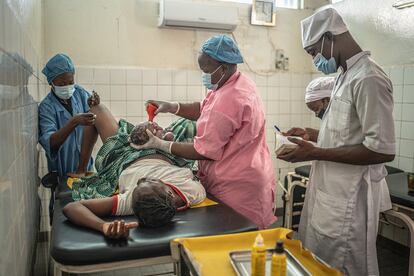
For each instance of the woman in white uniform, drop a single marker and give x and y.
(347, 188)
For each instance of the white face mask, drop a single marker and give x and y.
(206, 78)
(64, 92)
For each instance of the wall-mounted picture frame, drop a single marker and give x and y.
(263, 13)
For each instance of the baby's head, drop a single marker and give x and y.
(139, 135)
(153, 202)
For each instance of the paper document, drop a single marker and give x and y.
(283, 145)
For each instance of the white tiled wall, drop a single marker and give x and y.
(402, 78)
(20, 83)
(125, 89)
(403, 81)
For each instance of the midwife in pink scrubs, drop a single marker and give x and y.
(234, 161)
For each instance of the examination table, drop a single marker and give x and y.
(79, 250)
(294, 197)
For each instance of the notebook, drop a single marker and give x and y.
(283, 145)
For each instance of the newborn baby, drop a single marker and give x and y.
(139, 136)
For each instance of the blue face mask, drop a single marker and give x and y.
(324, 65)
(206, 78)
(64, 92)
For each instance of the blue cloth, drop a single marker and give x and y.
(52, 117)
(222, 48)
(56, 66)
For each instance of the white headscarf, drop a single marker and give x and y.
(327, 20)
(319, 88)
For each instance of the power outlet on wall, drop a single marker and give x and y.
(281, 61)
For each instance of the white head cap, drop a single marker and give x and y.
(319, 88)
(327, 20)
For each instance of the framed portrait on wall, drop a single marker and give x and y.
(263, 13)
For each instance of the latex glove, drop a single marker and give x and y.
(165, 107)
(154, 143)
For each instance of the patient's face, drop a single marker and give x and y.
(139, 136)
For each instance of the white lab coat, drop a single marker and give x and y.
(339, 221)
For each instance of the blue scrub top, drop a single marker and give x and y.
(52, 117)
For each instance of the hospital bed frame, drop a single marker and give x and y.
(79, 250)
(296, 180)
(59, 268)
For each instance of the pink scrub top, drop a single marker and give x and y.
(231, 132)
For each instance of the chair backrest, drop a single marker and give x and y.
(50, 180)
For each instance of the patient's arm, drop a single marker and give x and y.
(87, 213)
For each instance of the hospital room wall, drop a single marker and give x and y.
(122, 54)
(106, 32)
(21, 55)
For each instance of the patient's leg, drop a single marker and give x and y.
(90, 135)
(105, 125)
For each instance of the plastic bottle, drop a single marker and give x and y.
(279, 260)
(258, 261)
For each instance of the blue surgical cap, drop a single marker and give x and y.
(56, 66)
(222, 48)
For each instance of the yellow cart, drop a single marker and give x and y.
(210, 255)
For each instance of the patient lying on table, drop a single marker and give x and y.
(151, 187)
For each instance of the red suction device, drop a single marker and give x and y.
(151, 111)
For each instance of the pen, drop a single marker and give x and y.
(277, 129)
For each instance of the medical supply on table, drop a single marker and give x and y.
(258, 258)
(240, 261)
(151, 111)
(410, 182)
(279, 260)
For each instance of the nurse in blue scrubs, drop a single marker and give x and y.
(62, 115)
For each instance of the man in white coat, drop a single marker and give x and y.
(347, 188)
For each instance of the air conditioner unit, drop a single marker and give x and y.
(186, 14)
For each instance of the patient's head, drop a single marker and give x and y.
(139, 136)
(153, 202)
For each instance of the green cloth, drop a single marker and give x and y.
(116, 155)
